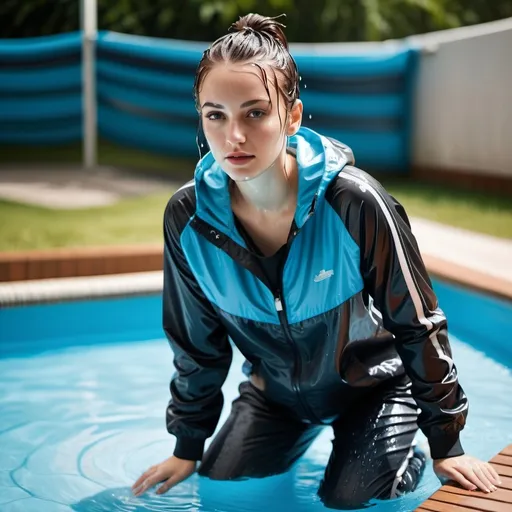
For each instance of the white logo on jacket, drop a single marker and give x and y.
(323, 274)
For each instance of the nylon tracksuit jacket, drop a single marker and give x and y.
(355, 305)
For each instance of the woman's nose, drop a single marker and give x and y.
(235, 134)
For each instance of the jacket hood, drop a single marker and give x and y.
(319, 160)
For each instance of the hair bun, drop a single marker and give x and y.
(262, 25)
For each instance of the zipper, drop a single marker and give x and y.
(283, 319)
(280, 306)
(281, 313)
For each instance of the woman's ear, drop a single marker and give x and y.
(295, 118)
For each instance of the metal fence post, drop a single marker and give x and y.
(89, 23)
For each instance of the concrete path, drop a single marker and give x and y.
(69, 188)
(484, 253)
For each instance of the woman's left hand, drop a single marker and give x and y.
(468, 471)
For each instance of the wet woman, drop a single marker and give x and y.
(283, 247)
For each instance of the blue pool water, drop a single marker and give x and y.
(78, 424)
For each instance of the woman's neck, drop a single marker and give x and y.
(273, 190)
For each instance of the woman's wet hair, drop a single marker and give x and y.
(257, 40)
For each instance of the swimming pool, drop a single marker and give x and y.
(84, 389)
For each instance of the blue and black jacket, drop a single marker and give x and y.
(355, 305)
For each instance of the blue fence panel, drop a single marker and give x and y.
(40, 48)
(146, 133)
(41, 109)
(37, 81)
(145, 94)
(40, 90)
(30, 135)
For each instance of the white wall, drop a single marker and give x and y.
(463, 100)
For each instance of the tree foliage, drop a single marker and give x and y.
(205, 20)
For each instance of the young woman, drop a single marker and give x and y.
(309, 267)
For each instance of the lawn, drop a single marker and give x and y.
(139, 220)
(483, 213)
(131, 221)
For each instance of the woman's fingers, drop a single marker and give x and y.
(170, 482)
(454, 474)
(143, 477)
(494, 477)
(149, 482)
(481, 473)
(475, 477)
(486, 469)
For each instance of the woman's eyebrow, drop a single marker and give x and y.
(252, 102)
(243, 105)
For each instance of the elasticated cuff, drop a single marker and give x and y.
(445, 447)
(188, 448)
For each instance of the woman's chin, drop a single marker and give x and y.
(242, 173)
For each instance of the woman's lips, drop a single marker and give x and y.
(239, 160)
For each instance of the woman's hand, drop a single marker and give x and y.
(469, 472)
(171, 471)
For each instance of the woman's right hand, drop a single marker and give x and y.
(171, 471)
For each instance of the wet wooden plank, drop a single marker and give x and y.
(483, 502)
(437, 506)
(500, 495)
(453, 498)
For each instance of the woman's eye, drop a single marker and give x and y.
(256, 114)
(214, 116)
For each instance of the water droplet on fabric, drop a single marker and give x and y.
(305, 86)
(300, 78)
(310, 116)
(202, 145)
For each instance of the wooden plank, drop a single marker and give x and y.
(453, 498)
(485, 504)
(502, 470)
(505, 460)
(506, 483)
(500, 495)
(437, 506)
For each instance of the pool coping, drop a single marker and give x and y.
(83, 273)
(452, 497)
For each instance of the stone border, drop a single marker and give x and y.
(79, 262)
(43, 291)
(469, 278)
(67, 274)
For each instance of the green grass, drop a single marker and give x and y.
(483, 213)
(131, 221)
(139, 220)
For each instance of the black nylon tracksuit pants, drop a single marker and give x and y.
(372, 455)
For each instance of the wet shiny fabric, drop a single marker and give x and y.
(372, 455)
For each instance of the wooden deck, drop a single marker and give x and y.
(450, 498)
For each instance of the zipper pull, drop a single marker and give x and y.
(278, 303)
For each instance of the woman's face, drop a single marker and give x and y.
(245, 131)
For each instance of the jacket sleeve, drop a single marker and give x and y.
(395, 276)
(202, 352)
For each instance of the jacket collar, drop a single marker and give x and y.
(319, 161)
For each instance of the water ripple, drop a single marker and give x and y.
(78, 427)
